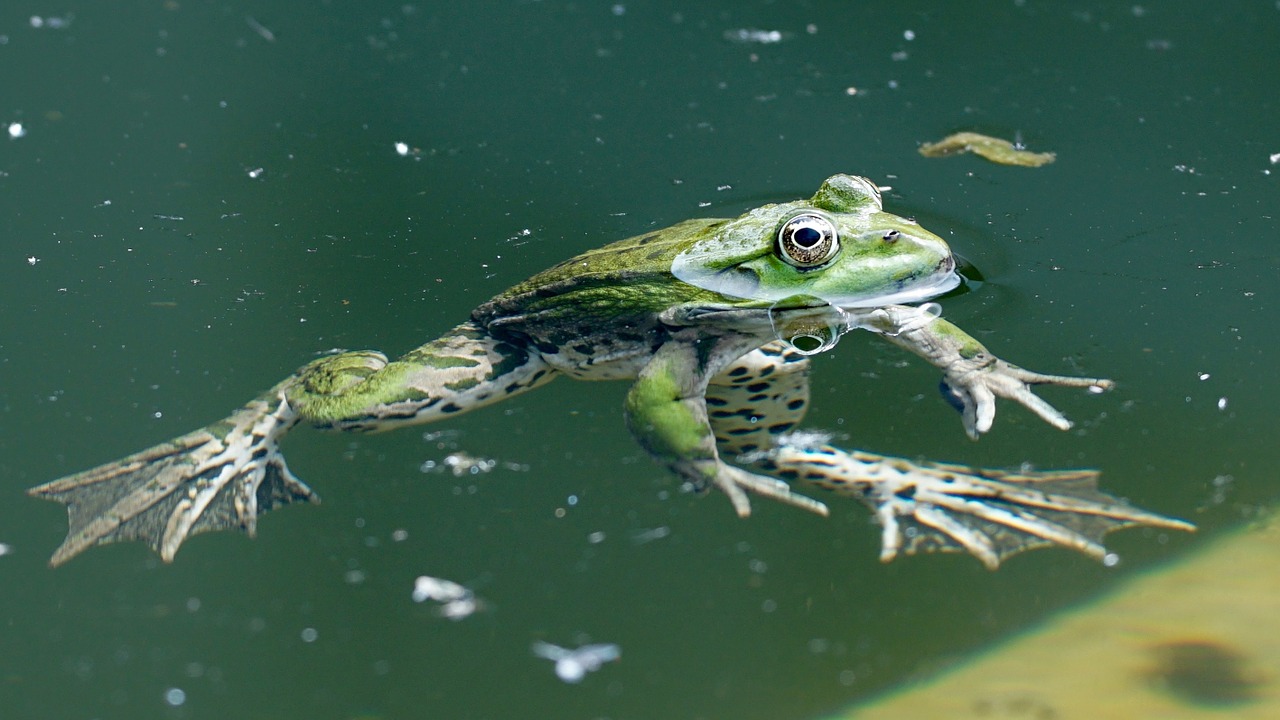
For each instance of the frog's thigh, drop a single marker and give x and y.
(457, 372)
(760, 396)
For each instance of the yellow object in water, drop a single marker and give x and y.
(994, 149)
(1194, 640)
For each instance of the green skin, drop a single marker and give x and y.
(713, 322)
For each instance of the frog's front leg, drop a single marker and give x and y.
(667, 413)
(972, 376)
(227, 474)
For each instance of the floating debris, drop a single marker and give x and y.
(573, 665)
(461, 464)
(994, 149)
(456, 601)
(755, 35)
(16, 130)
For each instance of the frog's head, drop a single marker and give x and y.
(839, 248)
(804, 261)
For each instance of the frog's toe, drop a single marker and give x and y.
(736, 482)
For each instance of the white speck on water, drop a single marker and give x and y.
(5, 549)
(1222, 403)
(755, 35)
(175, 696)
(263, 31)
(573, 665)
(256, 173)
(572, 500)
(456, 601)
(402, 149)
(1275, 158)
(1110, 560)
(400, 535)
(309, 635)
(1203, 376)
(16, 130)
(646, 536)
(596, 537)
(32, 260)
(908, 35)
(193, 604)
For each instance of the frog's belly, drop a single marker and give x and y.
(599, 361)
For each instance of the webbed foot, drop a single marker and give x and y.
(219, 477)
(991, 514)
(974, 384)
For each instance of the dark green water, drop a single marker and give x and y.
(208, 194)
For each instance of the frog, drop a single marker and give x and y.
(714, 322)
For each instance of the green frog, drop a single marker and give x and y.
(713, 321)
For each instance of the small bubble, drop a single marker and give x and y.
(1110, 560)
(175, 696)
(309, 635)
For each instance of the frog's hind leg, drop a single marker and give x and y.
(225, 475)
(222, 476)
(990, 514)
(755, 404)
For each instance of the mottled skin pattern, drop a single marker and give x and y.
(712, 321)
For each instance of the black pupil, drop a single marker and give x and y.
(806, 237)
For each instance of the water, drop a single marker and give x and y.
(203, 196)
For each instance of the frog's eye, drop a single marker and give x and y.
(808, 240)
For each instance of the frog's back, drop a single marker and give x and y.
(595, 315)
(624, 278)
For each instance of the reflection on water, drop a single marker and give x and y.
(200, 197)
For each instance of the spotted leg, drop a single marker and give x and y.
(755, 404)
